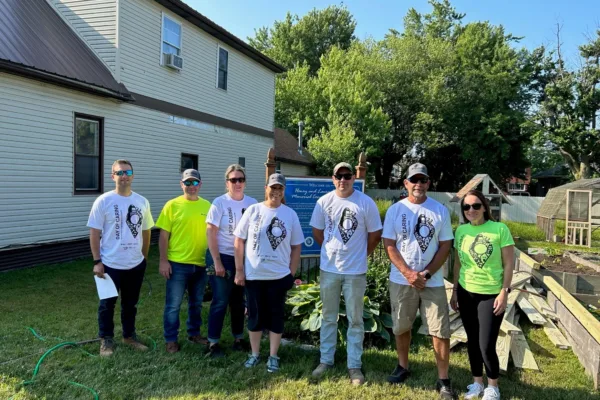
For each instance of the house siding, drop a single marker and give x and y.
(289, 169)
(37, 204)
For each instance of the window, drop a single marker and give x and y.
(242, 161)
(88, 154)
(189, 161)
(171, 37)
(278, 167)
(222, 68)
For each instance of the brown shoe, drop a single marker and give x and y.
(198, 339)
(135, 343)
(107, 346)
(172, 347)
(356, 376)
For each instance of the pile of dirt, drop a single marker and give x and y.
(563, 264)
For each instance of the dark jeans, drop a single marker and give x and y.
(266, 302)
(128, 283)
(225, 292)
(184, 277)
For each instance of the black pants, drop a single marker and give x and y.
(482, 327)
(128, 283)
(266, 302)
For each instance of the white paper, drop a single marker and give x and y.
(106, 287)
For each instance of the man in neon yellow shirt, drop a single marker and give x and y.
(182, 247)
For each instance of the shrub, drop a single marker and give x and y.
(382, 206)
(525, 231)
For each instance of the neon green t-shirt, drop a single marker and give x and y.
(479, 249)
(185, 220)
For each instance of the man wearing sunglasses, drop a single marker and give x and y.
(182, 246)
(347, 225)
(417, 237)
(120, 222)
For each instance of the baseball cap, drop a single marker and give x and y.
(190, 174)
(276, 179)
(342, 165)
(417, 169)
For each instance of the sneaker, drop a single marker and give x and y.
(215, 351)
(273, 364)
(197, 339)
(172, 347)
(135, 343)
(240, 345)
(399, 375)
(474, 391)
(252, 361)
(444, 388)
(320, 370)
(107, 346)
(491, 393)
(356, 376)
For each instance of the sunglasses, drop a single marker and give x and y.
(414, 180)
(347, 177)
(121, 173)
(236, 180)
(191, 183)
(476, 206)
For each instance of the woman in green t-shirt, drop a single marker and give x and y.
(483, 268)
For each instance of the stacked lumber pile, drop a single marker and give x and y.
(511, 340)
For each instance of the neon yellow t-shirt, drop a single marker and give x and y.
(185, 220)
(479, 249)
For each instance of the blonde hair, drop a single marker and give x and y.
(234, 168)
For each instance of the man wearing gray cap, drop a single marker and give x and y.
(347, 225)
(182, 245)
(417, 236)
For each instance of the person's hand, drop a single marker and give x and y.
(454, 301)
(99, 270)
(415, 279)
(164, 268)
(500, 303)
(219, 269)
(240, 278)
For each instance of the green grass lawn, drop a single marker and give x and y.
(59, 302)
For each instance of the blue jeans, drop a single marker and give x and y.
(225, 292)
(184, 277)
(353, 288)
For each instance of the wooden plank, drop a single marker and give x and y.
(455, 325)
(526, 259)
(591, 324)
(532, 314)
(555, 335)
(508, 328)
(507, 325)
(539, 303)
(520, 278)
(503, 350)
(521, 353)
(460, 334)
(454, 342)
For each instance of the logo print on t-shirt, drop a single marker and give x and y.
(348, 224)
(243, 211)
(424, 232)
(481, 249)
(276, 232)
(134, 220)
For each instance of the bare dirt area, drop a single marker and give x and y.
(563, 264)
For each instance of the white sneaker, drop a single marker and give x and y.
(491, 393)
(475, 390)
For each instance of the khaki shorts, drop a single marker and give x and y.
(432, 302)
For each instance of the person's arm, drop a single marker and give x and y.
(239, 247)
(295, 258)
(164, 266)
(95, 246)
(212, 232)
(373, 240)
(457, 265)
(413, 278)
(318, 235)
(440, 257)
(146, 243)
(508, 263)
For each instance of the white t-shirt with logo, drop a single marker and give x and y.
(225, 213)
(269, 235)
(417, 230)
(346, 223)
(121, 220)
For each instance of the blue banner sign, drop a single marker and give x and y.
(301, 194)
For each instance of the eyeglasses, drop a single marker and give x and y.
(121, 173)
(414, 180)
(236, 180)
(347, 177)
(191, 183)
(476, 206)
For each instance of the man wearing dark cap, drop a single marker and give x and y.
(182, 247)
(347, 225)
(417, 236)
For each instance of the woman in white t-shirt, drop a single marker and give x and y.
(223, 217)
(267, 254)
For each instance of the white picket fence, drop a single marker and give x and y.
(523, 209)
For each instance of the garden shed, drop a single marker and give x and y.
(578, 204)
(488, 187)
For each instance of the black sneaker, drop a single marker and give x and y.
(444, 388)
(215, 351)
(399, 375)
(240, 345)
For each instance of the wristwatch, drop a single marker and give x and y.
(97, 261)
(507, 290)
(427, 275)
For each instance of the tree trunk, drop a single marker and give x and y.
(585, 170)
(573, 165)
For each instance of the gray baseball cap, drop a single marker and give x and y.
(276, 179)
(342, 165)
(190, 174)
(417, 169)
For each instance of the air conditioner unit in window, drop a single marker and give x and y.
(173, 61)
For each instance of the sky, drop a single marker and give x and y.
(535, 20)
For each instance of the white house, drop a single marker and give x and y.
(85, 82)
